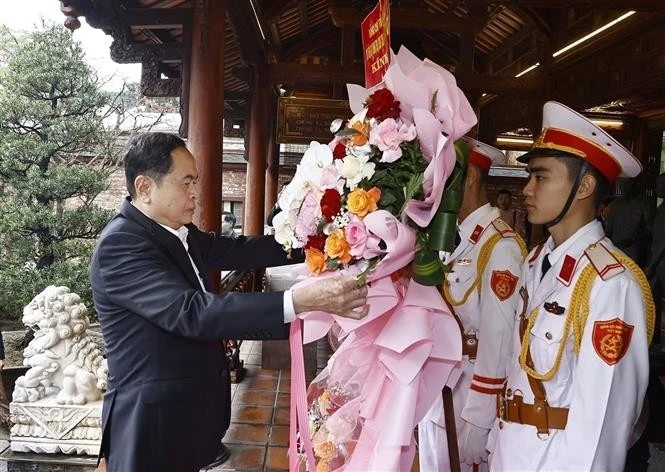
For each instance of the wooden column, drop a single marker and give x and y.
(256, 166)
(272, 158)
(206, 108)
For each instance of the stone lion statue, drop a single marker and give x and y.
(64, 361)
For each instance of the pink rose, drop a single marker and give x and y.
(364, 244)
(356, 235)
(388, 136)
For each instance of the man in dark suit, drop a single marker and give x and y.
(168, 400)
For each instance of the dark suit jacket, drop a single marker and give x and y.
(168, 399)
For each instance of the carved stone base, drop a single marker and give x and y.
(46, 427)
(33, 462)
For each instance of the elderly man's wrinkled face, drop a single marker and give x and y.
(173, 200)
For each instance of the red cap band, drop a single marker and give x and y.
(481, 160)
(552, 138)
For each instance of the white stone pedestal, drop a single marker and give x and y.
(44, 426)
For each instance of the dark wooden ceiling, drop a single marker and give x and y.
(312, 47)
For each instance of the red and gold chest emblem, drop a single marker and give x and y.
(611, 339)
(503, 283)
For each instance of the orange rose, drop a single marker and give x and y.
(360, 139)
(360, 201)
(337, 247)
(375, 193)
(315, 260)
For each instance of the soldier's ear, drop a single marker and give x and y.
(472, 176)
(587, 187)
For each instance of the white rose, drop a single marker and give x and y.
(356, 168)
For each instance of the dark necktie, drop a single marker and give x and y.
(546, 266)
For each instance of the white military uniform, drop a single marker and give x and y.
(489, 312)
(585, 346)
(603, 386)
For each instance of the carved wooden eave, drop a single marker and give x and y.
(312, 48)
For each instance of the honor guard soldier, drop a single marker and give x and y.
(579, 366)
(481, 290)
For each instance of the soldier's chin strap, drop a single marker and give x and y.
(571, 195)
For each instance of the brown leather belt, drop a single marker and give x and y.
(470, 345)
(538, 414)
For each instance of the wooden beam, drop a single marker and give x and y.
(281, 73)
(410, 18)
(154, 18)
(246, 31)
(642, 5)
(314, 41)
(236, 96)
(274, 9)
(304, 22)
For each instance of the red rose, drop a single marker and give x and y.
(331, 203)
(382, 104)
(339, 152)
(316, 241)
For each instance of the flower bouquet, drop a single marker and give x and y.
(379, 201)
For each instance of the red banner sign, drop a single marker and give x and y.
(375, 30)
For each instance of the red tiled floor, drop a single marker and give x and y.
(251, 414)
(259, 383)
(259, 433)
(279, 436)
(277, 458)
(255, 397)
(284, 385)
(245, 433)
(283, 399)
(281, 416)
(245, 458)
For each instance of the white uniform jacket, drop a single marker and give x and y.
(603, 386)
(489, 312)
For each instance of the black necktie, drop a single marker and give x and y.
(458, 239)
(546, 266)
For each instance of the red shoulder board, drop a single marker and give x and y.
(603, 261)
(503, 228)
(475, 236)
(611, 339)
(503, 284)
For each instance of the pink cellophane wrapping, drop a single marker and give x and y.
(387, 372)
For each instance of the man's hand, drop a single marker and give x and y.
(339, 295)
(473, 444)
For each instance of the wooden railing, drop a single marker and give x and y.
(239, 281)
